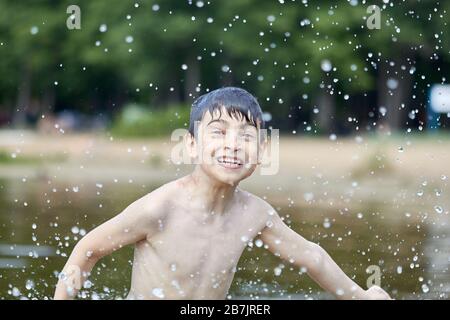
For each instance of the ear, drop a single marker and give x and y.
(191, 145)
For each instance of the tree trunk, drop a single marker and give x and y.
(23, 98)
(327, 112)
(48, 101)
(226, 76)
(192, 79)
(173, 97)
(394, 88)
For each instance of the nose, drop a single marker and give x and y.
(232, 141)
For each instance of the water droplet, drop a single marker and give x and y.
(326, 65)
(277, 271)
(305, 22)
(34, 30)
(339, 292)
(75, 230)
(62, 276)
(103, 28)
(438, 209)
(129, 39)
(425, 288)
(271, 18)
(95, 296)
(308, 196)
(87, 284)
(29, 284)
(176, 285)
(259, 243)
(15, 292)
(392, 83)
(158, 292)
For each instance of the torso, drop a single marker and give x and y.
(188, 258)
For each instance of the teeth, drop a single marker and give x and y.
(229, 161)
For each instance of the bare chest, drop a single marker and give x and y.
(190, 245)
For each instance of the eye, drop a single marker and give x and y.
(217, 131)
(249, 136)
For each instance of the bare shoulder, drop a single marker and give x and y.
(260, 207)
(156, 202)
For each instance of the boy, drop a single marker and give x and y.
(189, 233)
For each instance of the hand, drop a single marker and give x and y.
(376, 293)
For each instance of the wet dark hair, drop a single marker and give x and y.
(236, 101)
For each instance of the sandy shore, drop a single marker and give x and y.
(306, 165)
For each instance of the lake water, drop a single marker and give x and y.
(40, 222)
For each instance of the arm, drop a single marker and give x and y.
(130, 226)
(290, 246)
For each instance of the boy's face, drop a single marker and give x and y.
(227, 147)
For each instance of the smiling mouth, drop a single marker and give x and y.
(230, 163)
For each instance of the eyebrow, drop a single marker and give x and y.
(217, 120)
(226, 123)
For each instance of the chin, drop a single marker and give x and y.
(222, 176)
(230, 177)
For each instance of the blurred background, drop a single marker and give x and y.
(89, 96)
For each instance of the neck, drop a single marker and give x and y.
(213, 194)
